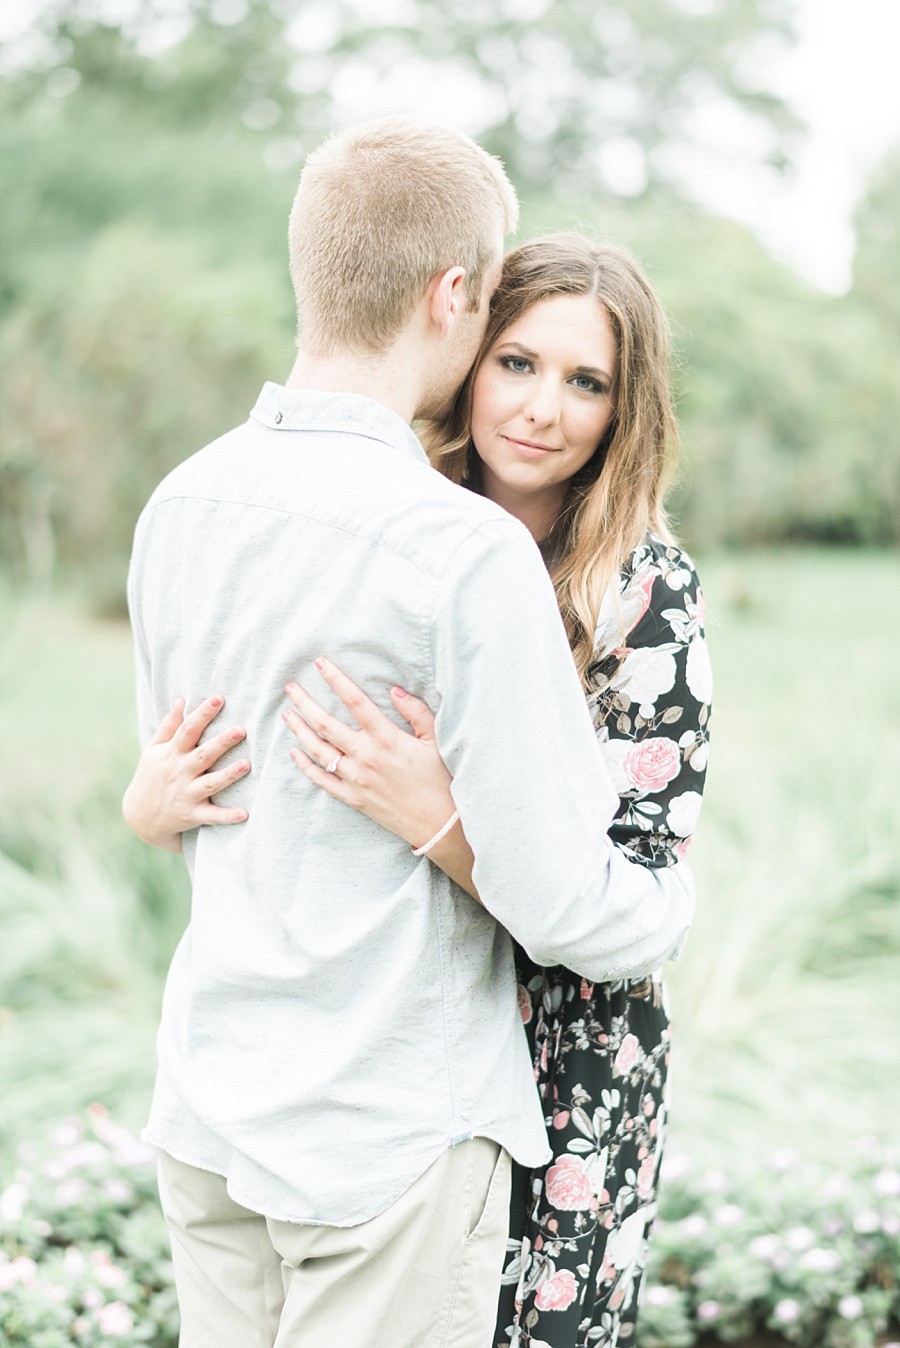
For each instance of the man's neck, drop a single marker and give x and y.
(387, 378)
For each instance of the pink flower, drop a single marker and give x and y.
(557, 1292)
(560, 1118)
(115, 1319)
(653, 763)
(627, 1056)
(111, 1275)
(645, 1176)
(568, 1186)
(587, 990)
(524, 1003)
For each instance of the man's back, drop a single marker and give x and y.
(337, 1013)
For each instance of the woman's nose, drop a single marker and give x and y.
(543, 405)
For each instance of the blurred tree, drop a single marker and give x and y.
(577, 94)
(143, 279)
(581, 95)
(876, 277)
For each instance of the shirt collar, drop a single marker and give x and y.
(291, 409)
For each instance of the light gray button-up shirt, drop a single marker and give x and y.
(338, 1012)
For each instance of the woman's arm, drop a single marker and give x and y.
(395, 778)
(173, 783)
(651, 704)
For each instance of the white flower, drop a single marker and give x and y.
(115, 1319)
(12, 1202)
(684, 811)
(887, 1182)
(647, 673)
(765, 1247)
(709, 1310)
(728, 1215)
(787, 1311)
(851, 1308)
(112, 1275)
(799, 1238)
(623, 1245)
(698, 670)
(659, 1296)
(614, 754)
(821, 1261)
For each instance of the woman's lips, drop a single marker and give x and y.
(529, 449)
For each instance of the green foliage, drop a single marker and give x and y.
(84, 1255)
(134, 339)
(780, 1000)
(541, 77)
(810, 1254)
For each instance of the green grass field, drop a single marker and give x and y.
(786, 1003)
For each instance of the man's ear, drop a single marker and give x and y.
(446, 296)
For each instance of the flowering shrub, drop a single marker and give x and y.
(808, 1257)
(84, 1255)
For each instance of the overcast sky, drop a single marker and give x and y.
(842, 79)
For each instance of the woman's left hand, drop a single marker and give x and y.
(399, 780)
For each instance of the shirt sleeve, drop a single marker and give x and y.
(650, 703)
(531, 784)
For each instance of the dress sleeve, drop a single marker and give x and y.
(651, 703)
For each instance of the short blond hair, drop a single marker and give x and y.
(382, 208)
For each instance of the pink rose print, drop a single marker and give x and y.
(524, 1003)
(567, 1185)
(645, 1176)
(653, 763)
(558, 1292)
(627, 1056)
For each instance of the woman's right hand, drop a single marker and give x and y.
(172, 787)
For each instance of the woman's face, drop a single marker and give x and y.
(542, 402)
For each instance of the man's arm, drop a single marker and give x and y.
(514, 729)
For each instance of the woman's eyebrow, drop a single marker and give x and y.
(593, 371)
(524, 350)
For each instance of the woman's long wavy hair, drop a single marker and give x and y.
(618, 495)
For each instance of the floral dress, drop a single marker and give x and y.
(580, 1226)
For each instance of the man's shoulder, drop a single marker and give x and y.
(350, 481)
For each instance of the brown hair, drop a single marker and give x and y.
(381, 209)
(618, 496)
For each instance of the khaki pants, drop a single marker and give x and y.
(423, 1274)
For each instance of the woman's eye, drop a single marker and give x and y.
(589, 385)
(518, 364)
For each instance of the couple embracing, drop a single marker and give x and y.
(413, 1049)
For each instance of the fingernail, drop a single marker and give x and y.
(321, 662)
(217, 701)
(399, 692)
